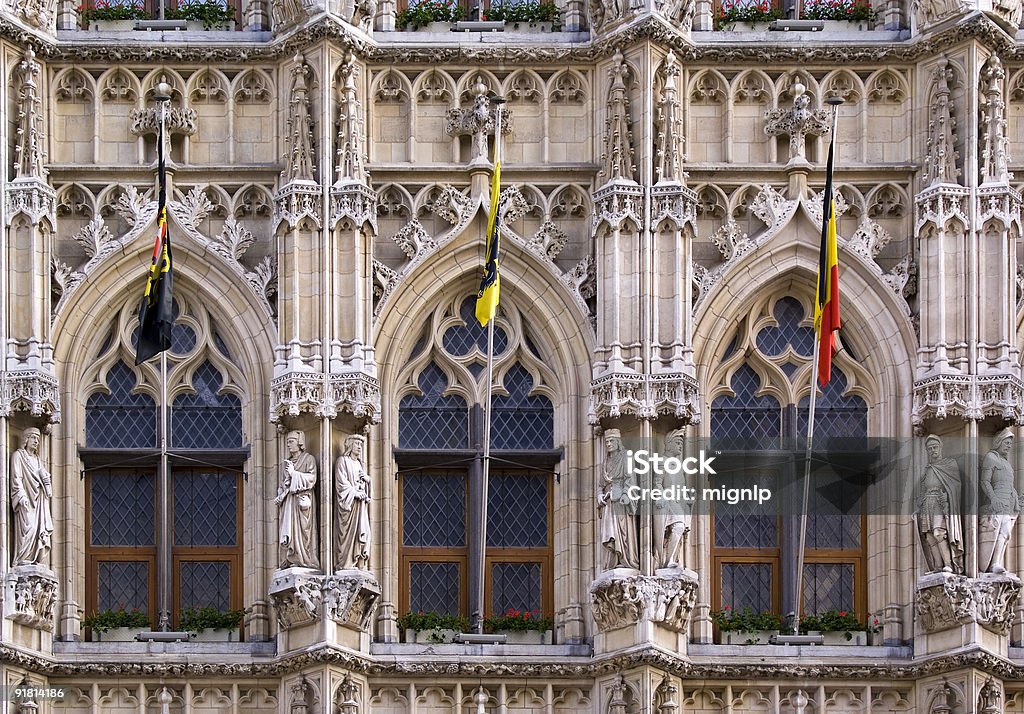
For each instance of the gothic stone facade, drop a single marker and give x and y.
(328, 193)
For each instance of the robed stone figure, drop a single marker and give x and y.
(352, 508)
(939, 512)
(616, 512)
(297, 505)
(31, 494)
(1000, 504)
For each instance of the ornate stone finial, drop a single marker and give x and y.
(669, 166)
(617, 160)
(29, 148)
(940, 152)
(478, 121)
(798, 123)
(665, 697)
(351, 161)
(348, 693)
(990, 698)
(299, 164)
(994, 144)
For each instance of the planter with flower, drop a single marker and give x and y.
(526, 16)
(841, 14)
(746, 627)
(104, 15)
(430, 16)
(211, 625)
(838, 627)
(521, 627)
(423, 627)
(204, 15)
(740, 14)
(117, 625)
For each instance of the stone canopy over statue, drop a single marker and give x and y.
(939, 511)
(297, 505)
(31, 496)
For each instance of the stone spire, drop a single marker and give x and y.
(31, 155)
(669, 158)
(351, 166)
(299, 164)
(940, 154)
(617, 160)
(994, 143)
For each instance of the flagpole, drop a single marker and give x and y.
(834, 102)
(163, 96)
(486, 471)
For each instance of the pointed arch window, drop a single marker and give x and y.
(121, 456)
(765, 408)
(440, 432)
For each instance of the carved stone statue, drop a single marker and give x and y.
(31, 494)
(297, 506)
(939, 513)
(672, 518)
(615, 511)
(352, 508)
(1000, 504)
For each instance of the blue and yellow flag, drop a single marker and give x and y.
(487, 298)
(156, 313)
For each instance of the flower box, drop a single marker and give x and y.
(112, 25)
(118, 634)
(210, 634)
(746, 637)
(529, 27)
(434, 636)
(526, 637)
(838, 639)
(198, 26)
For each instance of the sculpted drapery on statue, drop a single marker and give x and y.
(297, 506)
(615, 511)
(672, 519)
(1000, 504)
(31, 494)
(939, 513)
(352, 508)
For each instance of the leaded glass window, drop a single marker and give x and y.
(431, 420)
(206, 418)
(120, 419)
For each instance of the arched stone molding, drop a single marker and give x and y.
(568, 87)
(119, 85)
(252, 86)
(464, 87)
(208, 85)
(435, 85)
(179, 93)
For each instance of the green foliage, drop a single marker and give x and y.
(427, 11)
(524, 11)
(203, 618)
(729, 620)
(432, 621)
(209, 12)
(105, 10)
(109, 619)
(733, 11)
(518, 621)
(854, 10)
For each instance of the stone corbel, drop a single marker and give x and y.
(350, 599)
(32, 592)
(297, 594)
(945, 601)
(622, 599)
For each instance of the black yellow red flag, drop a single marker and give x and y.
(826, 305)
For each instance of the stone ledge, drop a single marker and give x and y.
(170, 650)
(736, 653)
(458, 651)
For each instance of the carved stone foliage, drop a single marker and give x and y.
(582, 282)
(940, 163)
(731, 240)
(617, 159)
(945, 601)
(623, 600)
(34, 591)
(297, 594)
(967, 397)
(994, 143)
(868, 240)
(30, 146)
(180, 120)
(351, 599)
(798, 123)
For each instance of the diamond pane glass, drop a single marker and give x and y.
(517, 510)
(828, 586)
(515, 586)
(205, 583)
(434, 509)
(432, 421)
(747, 585)
(835, 416)
(121, 508)
(745, 421)
(123, 584)
(460, 340)
(204, 419)
(744, 530)
(773, 340)
(205, 508)
(434, 587)
(183, 339)
(520, 421)
(120, 420)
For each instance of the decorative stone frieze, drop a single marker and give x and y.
(945, 600)
(297, 594)
(35, 391)
(32, 592)
(622, 598)
(350, 598)
(618, 201)
(617, 394)
(354, 202)
(357, 393)
(941, 203)
(673, 202)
